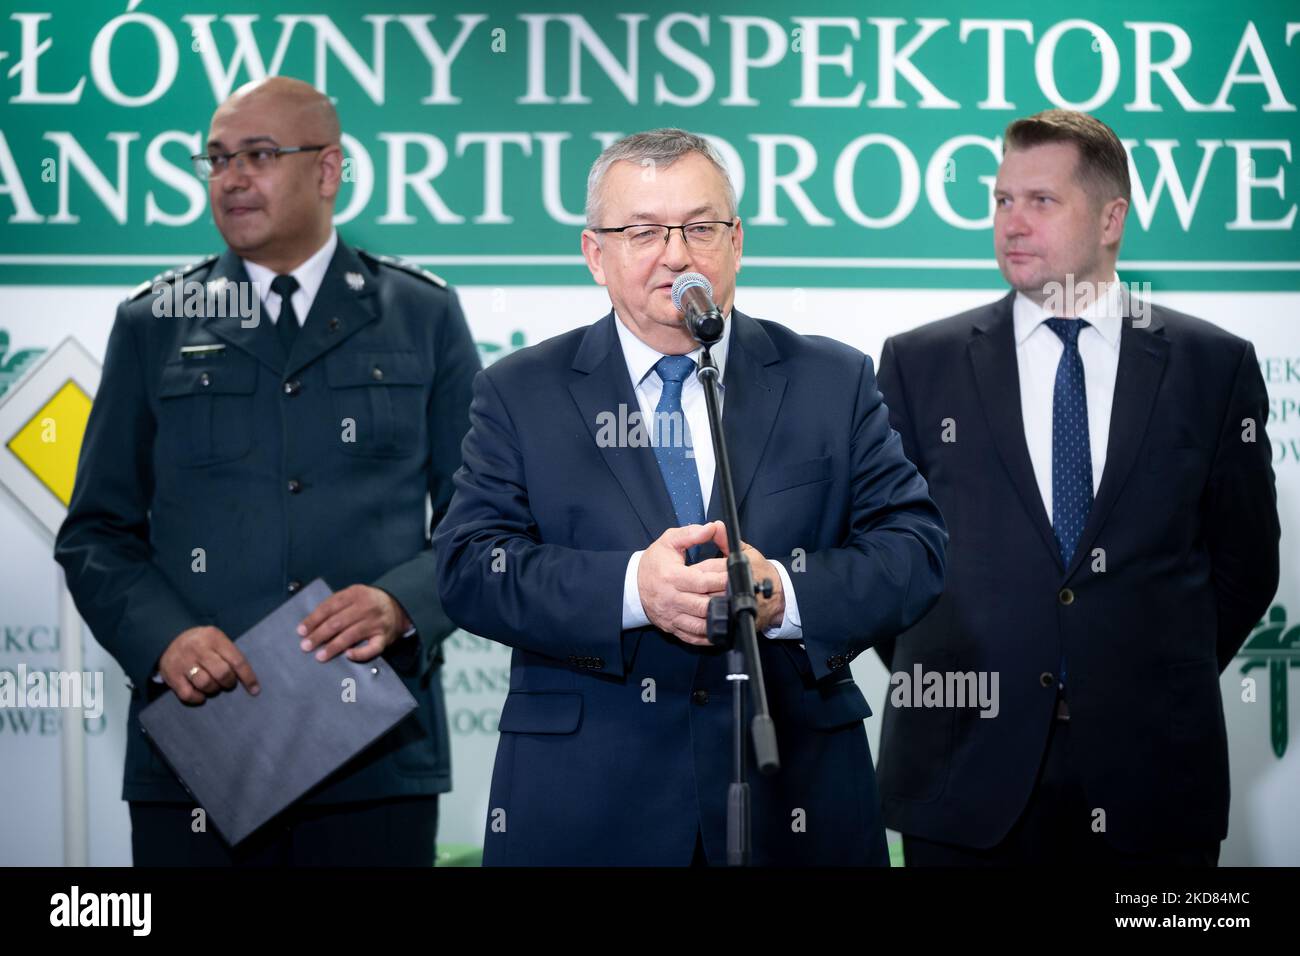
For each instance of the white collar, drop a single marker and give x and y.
(641, 358)
(310, 274)
(1106, 314)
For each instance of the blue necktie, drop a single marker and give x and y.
(1071, 452)
(670, 435)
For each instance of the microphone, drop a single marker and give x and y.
(693, 297)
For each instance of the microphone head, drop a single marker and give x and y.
(688, 280)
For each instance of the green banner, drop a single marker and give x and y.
(863, 136)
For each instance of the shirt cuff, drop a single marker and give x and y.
(633, 612)
(790, 628)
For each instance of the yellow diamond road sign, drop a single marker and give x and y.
(42, 422)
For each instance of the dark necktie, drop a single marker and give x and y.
(1071, 451)
(671, 443)
(286, 326)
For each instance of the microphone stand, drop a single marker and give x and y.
(731, 624)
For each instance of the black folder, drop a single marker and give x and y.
(244, 759)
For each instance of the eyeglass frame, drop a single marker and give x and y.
(730, 224)
(277, 151)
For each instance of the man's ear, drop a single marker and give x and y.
(331, 171)
(738, 241)
(1113, 216)
(593, 252)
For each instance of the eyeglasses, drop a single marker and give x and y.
(644, 236)
(257, 159)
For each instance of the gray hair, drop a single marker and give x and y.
(655, 148)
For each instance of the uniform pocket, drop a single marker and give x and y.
(378, 401)
(205, 411)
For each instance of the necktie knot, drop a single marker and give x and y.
(674, 368)
(1067, 330)
(284, 286)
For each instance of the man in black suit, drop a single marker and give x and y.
(1105, 476)
(230, 459)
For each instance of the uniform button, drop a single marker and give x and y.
(334, 324)
(1046, 678)
(205, 379)
(294, 486)
(700, 696)
(377, 374)
(292, 388)
(1066, 596)
(294, 587)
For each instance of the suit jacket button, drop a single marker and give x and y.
(1046, 678)
(1066, 596)
(292, 388)
(377, 374)
(205, 379)
(294, 486)
(700, 696)
(294, 587)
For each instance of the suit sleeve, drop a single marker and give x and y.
(890, 382)
(1242, 528)
(413, 583)
(889, 570)
(496, 577)
(103, 544)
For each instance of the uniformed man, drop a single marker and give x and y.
(234, 456)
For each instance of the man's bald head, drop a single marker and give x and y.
(278, 210)
(313, 114)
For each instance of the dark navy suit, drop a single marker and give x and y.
(615, 744)
(241, 454)
(1185, 525)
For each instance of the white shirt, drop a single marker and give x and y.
(310, 275)
(641, 359)
(1038, 352)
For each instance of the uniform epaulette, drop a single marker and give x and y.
(168, 276)
(405, 266)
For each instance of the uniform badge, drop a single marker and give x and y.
(356, 281)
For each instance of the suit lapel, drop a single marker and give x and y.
(257, 340)
(605, 386)
(997, 376)
(752, 397)
(1142, 357)
(344, 304)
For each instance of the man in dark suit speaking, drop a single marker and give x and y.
(568, 540)
(1105, 475)
(230, 459)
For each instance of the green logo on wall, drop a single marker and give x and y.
(13, 366)
(1275, 646)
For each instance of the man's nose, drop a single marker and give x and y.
(677, 252)
(1014, 223)
(235, 175)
